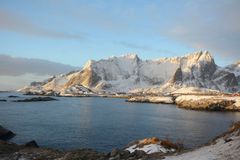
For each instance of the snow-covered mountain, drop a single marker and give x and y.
(235, 68)
(128, 73)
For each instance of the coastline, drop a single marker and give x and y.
(186, 98)
(224, 146)
(194, 101)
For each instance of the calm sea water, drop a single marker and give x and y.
(106, 123)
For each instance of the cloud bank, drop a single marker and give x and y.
(14, 66)
(9, 21)
(203, 24)
(18, 72)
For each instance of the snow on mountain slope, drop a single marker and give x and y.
(124, 73)
(55, 84)
(129, 73)
(197, 70)
(235, 69)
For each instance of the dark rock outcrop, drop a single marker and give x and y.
(177, 77)
(12, 96)
(3, 100)
(32, 144)
(5, 134)
(36, 99)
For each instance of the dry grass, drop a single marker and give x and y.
(235, 127)
(169, 144)
(146, 141)
(152, 140)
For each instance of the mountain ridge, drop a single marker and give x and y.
(129, 72)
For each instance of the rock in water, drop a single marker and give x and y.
(31, 144)
(36, 99)
(5, 134)
(12, 96)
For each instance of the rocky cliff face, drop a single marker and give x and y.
(234, 68)
(200, 70)
(125, 73)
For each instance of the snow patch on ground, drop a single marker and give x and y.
(150, 148)
(224, 148)
(152, 99)
(195, 90)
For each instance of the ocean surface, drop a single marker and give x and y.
(107, 123)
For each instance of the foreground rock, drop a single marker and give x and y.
(31, 144)
(5, 134)
(152, 99)
(30, 150)
(154, 145)
(36, 99)
(11, 151)
(225, 147)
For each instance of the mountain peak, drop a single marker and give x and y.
(207, 55)
(88, 64)
(200, 53)
(130, 56)
(204, 56)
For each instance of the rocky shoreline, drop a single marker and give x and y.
(210, 103)
(225, 147)
(194, 102)
(152, 99)
(188, 98)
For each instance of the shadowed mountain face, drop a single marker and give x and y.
(128, 72)
(235, 68)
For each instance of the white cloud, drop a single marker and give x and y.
(16, 82)
(10, 21)
(15, 66)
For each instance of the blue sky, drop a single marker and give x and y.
(74, 31)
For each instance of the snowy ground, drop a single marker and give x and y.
(224, 148)
(195, 90)
(149, 149)
(152, 99)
